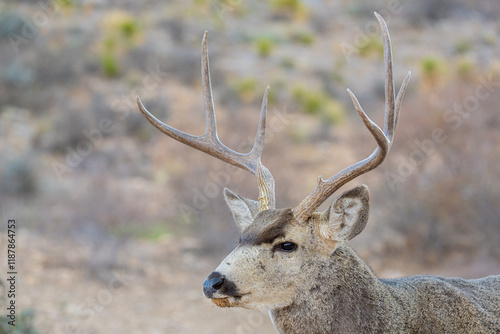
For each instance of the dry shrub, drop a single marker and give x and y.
(443, 195)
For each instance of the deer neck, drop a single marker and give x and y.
(344, 296)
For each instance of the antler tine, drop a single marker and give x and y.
(178, 135)
(258, 145)
(376, 132)
(209, 142)
(208, 101)
(392, 107)
(384, 139)
(389, 84)
(399, 98)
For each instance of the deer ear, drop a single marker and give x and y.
(347, 216)
(243, 209)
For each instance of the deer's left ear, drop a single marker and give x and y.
(347, 216)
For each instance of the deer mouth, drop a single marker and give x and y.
(222, 302)
(228, 301)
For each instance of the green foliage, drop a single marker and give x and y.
(463, 46)
(24, 323)
(295, 9)
(291, 5)
(109, 63)
(151, 232)
(121, 32)
(333, 112)
(129, 29)
(124, 27)
(372, 46)
(110, 44)
(465, 69)
(430, 65)
(433, 71)
(305, 38)
(109, 58)
(310, 101)
(245, 88)
(264, 46)
(66, 3)
(318, 103)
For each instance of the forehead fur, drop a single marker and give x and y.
(268, 226)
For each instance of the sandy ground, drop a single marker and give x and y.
(150, 288)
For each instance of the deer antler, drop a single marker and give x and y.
(209, 142)
(384, 139)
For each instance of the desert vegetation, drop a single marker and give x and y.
(120, 225)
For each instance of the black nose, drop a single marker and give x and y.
(213, 284)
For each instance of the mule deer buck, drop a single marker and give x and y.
(296, 264)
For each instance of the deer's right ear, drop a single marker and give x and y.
(243, 209)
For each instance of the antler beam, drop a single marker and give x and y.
(384, 139)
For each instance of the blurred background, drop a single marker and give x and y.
(119, 225)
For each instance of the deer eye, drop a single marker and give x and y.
(286, 246)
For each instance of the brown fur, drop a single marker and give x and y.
(347, 297)
(323, 286)
(273, 225)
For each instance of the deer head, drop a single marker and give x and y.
(280, 248)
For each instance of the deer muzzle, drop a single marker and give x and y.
(220, 290)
